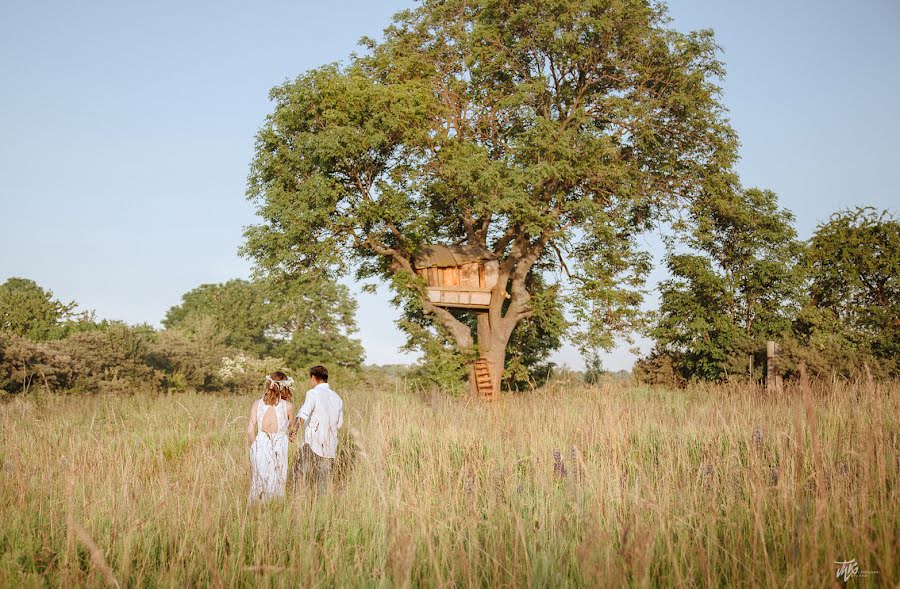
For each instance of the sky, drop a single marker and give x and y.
(126, 131)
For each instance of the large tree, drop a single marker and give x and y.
(853, 308)
(549, 132)
(735, 282)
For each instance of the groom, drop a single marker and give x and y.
(322, 415)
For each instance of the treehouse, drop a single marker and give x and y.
(460, 276)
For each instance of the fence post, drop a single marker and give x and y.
(773, 374)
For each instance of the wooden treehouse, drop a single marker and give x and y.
(463, 277)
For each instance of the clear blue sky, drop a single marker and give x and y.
(126, 130)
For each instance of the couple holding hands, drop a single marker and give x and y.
(272, 425)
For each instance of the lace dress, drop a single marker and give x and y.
(269, 455)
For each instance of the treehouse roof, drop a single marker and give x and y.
(445, 256)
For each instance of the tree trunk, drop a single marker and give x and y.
(492, 341)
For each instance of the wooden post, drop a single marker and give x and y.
(774, 383)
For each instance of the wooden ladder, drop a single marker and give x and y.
(483, 379)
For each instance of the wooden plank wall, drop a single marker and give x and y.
(475, 275)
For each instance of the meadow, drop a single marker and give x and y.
(612, 485)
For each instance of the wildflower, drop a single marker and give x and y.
(757, 437)
(559, 468)
(706, 473)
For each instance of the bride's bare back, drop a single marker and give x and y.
(269, 423)
(270, 420)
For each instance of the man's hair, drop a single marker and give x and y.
(319, 372)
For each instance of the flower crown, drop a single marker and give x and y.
(287, 383)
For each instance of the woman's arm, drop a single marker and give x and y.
(251, 423)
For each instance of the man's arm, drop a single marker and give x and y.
(309, 404)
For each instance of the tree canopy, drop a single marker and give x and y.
(854, 291)
(551, 133)
(740, 277)
(735, 282)
(301, 323)
(31, 311)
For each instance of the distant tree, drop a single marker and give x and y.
(594, 371)
(31, 311)
(662, 368)
(550, 133)
(301, 323)
(238, 309)
(735, 282)
(853, 308)
(190, 352)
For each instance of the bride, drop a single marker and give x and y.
(267, 432)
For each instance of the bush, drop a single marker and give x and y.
(187, 360)
(242, 373)
(659, 369)
(111, 359)
(24, 364)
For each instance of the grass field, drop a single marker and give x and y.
(704, 487)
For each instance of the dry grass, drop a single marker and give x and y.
(696, 488)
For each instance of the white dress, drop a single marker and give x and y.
(269, 455)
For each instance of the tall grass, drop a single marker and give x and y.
(722, 486)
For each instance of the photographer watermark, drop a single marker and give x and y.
(848, 569)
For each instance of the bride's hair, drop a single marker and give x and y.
(278, 385)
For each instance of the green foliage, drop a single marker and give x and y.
(532, 342)
(304, 323)
(735, 282)
(199, 351)
(594, 372)
(852, 313)
(110, 358)
(24, 363)
(237, 309)
(242, 373)
(536, 337)
(190, 355)
(442, 364)
(660, 369)
(28, 310)
(551, 133)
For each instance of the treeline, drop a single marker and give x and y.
(739, 277)
(221, 337)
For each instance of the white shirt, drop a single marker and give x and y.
(323, 415)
